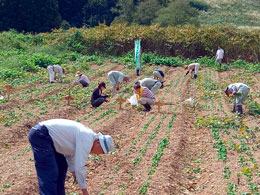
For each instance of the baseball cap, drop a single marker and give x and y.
(106, 142)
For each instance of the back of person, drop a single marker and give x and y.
(148, 82)
(117, 75)
(64, 134)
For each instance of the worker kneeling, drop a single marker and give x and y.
(59, 144)
(194, 67)
(53, 70)
(151, 84)
(97, 99)
(159, 75)
(240, 92)
(144, 96)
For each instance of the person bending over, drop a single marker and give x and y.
(240, 92)
(116, 78)
(194, 67)
(59, 144)
(151, 84)
(53, 70)
(159, 75)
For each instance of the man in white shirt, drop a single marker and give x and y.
(219, 55)
(53, 70)
(60, 143)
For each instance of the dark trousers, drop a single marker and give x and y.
(51, 166)
(98, 102)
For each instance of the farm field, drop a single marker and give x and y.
(181, 150)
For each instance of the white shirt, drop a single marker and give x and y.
(220, 54)
(75, 141)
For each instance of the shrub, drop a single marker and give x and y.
(199, 5)
(10, 74)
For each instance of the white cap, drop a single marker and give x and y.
(106, 142)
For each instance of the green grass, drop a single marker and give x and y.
(240, 13)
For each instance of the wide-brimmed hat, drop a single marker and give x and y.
(106, 142)
(78, 74)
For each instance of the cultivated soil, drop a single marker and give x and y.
(188, 165)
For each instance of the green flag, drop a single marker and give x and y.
(138, 53)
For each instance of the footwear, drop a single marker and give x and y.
(239, 110)
(147, 107)
(195, 76)
(137, 72)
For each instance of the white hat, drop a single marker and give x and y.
(106, 142)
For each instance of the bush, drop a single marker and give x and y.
(43, 60)
(10, 74)
(199, 5)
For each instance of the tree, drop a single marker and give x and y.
(71, 11)
(178, 12)
(96, 11)
(29, 15)
(125, 11)
(145, 12)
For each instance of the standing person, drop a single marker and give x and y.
(97, 99)
(194, 67)
(219, 55)
(116, 78)
(82, 79)
(60, 143)
(144, 96)
(53, 70)
(240, 92)
(151, 84)
(159, 75)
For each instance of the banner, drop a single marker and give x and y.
(138, 53)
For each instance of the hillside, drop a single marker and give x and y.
(241, 13)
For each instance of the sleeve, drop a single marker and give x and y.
(70, 161)
(121, 77)
(83, 146)
(77, 81)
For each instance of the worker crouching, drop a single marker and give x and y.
(144, 96)
(240, 92)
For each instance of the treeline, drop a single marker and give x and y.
(45, 15)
